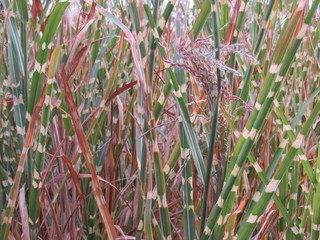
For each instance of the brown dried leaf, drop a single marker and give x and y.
(96, 189)
(233, 23)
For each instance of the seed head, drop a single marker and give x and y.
(199, 59)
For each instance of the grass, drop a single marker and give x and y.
(159, 120)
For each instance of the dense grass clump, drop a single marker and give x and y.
(159, 119)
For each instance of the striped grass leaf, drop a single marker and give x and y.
(140, 142)
(187, 184)
(97, 192)
(263, 105)
(45, 46)
(265, 198)
(265, 177)
(29, 139)
(183, 111)
(201, 19)
(40, 152)
(17, 71)
(242, 92)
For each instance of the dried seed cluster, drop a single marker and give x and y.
(199, 59)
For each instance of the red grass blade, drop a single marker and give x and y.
(96, 189)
